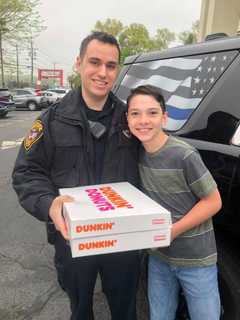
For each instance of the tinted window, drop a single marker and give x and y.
(22, 92)
(58, 91)
(184, 81)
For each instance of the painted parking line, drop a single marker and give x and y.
(9, 144)
(5, 124)
(12, 122)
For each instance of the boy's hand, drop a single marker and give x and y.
(55, 213)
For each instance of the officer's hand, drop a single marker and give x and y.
(55, 213)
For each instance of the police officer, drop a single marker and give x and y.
(83, 140)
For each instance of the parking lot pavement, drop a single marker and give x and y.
(16, 124)
(28, 285)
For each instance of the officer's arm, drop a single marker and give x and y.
(31, 174)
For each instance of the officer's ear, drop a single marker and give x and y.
(78, 63)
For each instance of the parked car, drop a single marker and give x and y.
(32, 89)
(59, 91)
(200, 83)
(6, 102)
(51, 97)
(3, 110)
(27, 98)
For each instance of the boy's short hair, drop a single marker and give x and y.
(148, 90)
(102, 37)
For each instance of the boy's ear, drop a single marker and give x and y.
(164, 119)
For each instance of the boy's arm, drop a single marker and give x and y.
(204, 209)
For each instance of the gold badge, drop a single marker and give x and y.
(34, 135)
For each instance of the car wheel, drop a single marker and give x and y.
(3, 115)
(32, 106)
(229, 281)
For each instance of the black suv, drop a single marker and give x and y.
(201, 85)
(6, 102)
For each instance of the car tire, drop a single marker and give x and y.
(229, 280)
(32, 106)
(3, 115)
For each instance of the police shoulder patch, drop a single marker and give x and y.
(34, 135)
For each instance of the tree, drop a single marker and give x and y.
(189, 37)
(74, 80)
(134, 39)
(162, 39)
(19, 19)
(111, 26)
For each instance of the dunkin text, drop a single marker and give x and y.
(97, 244)
(94, 227)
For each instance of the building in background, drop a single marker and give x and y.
(219, 16)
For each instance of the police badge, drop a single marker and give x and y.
(34, 135)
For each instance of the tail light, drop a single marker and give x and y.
(38, 92)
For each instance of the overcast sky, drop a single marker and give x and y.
(69, 21)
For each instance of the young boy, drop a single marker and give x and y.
(173, 174)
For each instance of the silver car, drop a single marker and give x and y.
(27, 98)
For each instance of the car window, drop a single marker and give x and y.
(23, 92)
(184, 81)
(18, 92)
(61, 91)
(4, 93)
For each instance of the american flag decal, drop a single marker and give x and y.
(159, 237)
(184, 81)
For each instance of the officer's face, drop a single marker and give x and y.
(98, 69)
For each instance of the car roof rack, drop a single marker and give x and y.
(214, 36)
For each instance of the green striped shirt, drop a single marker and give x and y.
(176, 177)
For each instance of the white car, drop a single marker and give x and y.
(51, 97)
(59, 91)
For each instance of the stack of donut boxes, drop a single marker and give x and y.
(112, 218)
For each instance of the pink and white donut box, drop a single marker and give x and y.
(114, 217)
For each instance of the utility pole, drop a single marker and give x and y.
(31, 56)
(2, 30)
(17, 65)
(54, 67)
(1, 59)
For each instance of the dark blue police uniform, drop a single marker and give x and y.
(64, 149)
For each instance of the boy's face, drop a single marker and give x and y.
(98, 69)
(146, 118)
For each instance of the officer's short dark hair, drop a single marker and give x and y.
(102, 37)
(148, 90)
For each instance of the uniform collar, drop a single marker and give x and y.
(72, 107)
